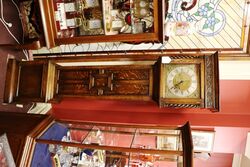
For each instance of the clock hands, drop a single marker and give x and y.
(177, 84)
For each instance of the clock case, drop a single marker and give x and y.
(208, 71)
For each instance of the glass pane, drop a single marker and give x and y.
(158, 131)
(78, 132)
(157, 139)
(148, 160)
(102, 17)
(145, 142)
(75, 18)
(73, 156)
(167, 142)
(78, 136)
(55, 132)
(116, 159)
(143, 12)
(180, 161)
(79, 126)
(110, 136)
(67, 132)
(114, 129)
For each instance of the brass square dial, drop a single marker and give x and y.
(182, 81)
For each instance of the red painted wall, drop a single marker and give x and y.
(235, 96)
(230, 140)
(216, 160)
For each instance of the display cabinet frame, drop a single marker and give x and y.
(50, 32)
(185, 136)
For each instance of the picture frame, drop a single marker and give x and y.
(6, 158)
(168, 142)
(203, 141)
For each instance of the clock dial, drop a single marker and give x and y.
(182, 81)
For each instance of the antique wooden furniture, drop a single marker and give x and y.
(43, 81)
(85, 21)
(29, 81)
(18, 126)
(66, 142)
(190, 81)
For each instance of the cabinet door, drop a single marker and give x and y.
(85, 21)
(107, 82)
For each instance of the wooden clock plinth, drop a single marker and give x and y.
(29, 81)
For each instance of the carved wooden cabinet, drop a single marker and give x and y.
(123, 82)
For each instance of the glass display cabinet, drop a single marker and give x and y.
(87, 144)
(84, 21)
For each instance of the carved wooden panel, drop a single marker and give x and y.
(212, 82)
(108, 81)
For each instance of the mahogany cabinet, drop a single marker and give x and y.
(90, 21)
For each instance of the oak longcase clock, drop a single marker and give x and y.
(190, 82)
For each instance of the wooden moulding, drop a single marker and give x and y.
(30, 140)
(47, 23)
(212, 100)
(11, 81)
(187, 145)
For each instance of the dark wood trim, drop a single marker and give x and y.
(107, 97)
(161, 19)
(11, 81)
(112, 148)
(124, 132)
(108, 67)
(216, 83)
(162, 52)
(146, 126)
(187, 145)
(47, 23)
(234, 57)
